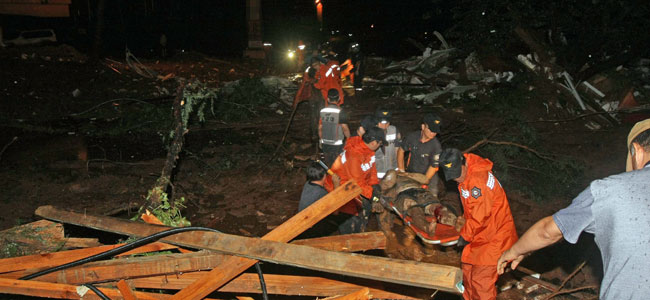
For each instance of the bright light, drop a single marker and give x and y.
(301, 47)
(349, 34)
(290, 54)
(372, 25)
(268, 44)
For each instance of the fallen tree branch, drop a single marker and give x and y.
(481, 142)
(487, 141)
(284, 136)
(589, 287)
(564, 282)
(174, 149)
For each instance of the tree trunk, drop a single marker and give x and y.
(174, 149)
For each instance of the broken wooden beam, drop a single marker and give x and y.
(64, 291)
(47, 260)
(116, 269)
(164, 264)
(288, 285)
(125, 290)
(285, 232)
(376, 268)
(288, 230)
(347, 242)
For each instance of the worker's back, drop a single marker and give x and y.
(621, 213)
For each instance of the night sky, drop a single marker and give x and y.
(220, 28)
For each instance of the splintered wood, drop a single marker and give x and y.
(219, 263)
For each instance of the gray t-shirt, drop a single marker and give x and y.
(423, 155)
(616, 210)
(310, 193)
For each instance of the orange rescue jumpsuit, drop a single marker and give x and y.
(489, 227)
(329, 77)
(304, 92)
(357, 162)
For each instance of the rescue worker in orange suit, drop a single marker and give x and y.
(333, 128)
(300, 52)
(329, 77)
(358, 66)
(308, 92)
(346, 71)
(357, 162)
(489, 228)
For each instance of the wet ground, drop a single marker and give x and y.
(226, 173)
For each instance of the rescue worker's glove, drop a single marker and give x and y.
(376, 193)
(461, 242)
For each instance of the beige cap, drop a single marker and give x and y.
(638, 128)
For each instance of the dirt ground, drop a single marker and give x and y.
(223, 172)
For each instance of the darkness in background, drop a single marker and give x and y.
(220, 28)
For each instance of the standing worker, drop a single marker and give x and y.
(357, 162)
(329, 77)
(309, 92)
(358, 66)
(424, 150)
(615, 210)
(489, 228)
(387, 155)
(333, 128)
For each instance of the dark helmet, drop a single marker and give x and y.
(333, 95)
(354, 47)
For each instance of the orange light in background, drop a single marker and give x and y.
(319, 11)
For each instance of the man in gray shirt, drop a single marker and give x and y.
(616, 210)
(313, 188)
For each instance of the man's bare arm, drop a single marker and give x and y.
(400, 159)
(543, 233)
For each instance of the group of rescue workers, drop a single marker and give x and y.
(378, 150)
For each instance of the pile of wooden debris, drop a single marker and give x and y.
(198, 262)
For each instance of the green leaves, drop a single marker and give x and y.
(169, 213)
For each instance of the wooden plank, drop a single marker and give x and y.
(47, 260)
(362, 294)
(275, 284)
(110, 270)
(348, 242)
(411, 273)
(376, 268)
(63, 291)
(125, 290)
(285, 232)
(288, 230)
